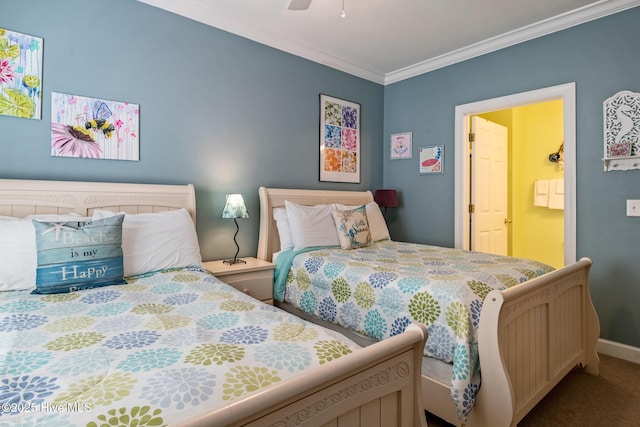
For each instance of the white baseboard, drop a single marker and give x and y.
(621, 351)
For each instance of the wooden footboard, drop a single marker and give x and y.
(378, 386)
(530, 337)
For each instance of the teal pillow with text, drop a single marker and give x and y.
(75, 255)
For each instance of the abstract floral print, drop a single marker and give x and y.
(167, 347)
(380, 289)
(339, 140)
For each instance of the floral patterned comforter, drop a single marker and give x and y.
(163, 348)
(381, 289)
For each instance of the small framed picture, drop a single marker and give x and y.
(431, 159)
(401, 145)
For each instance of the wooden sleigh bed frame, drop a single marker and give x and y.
(532, 334)
(376, 386)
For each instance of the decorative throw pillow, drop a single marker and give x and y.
(75, 255)
(377, 223)
(353, 227)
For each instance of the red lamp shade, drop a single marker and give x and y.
(386, 198)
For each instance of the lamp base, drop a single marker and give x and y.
(235, 259)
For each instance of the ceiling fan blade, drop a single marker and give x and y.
(299, 4)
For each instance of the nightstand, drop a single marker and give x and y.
(255, 278)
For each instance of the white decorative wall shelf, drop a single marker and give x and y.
(622, 131)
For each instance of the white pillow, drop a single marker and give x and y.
(282, 223)
(311, 225)
(377, 223)
(18, 256)
(157, 241)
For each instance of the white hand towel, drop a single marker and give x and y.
(541, 193)
(556, 194)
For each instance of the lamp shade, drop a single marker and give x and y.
(235, 207)
(386, 198)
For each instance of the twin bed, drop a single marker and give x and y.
(534, 326)
(172, 345)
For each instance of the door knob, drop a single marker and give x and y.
(507, 221)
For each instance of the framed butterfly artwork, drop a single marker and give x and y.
(94, 128)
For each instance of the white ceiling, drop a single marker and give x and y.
(390, 40)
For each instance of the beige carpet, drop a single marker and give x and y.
(611, 399)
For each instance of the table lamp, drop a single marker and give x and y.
(386, 199)
(235, 208)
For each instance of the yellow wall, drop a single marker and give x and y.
(535, 131)
(538, 232)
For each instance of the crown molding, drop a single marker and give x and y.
(194, 10)
(530, 32)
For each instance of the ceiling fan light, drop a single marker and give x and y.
(299, 4)
(343, 15)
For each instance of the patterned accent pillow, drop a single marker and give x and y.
(75, 255)
(377, 223)
(353, 227)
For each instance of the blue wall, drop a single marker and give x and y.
(216, 110)
(603, 58)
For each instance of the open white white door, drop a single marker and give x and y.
(489, 220)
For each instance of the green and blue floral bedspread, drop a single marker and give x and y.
(163, 348)
(381, 289)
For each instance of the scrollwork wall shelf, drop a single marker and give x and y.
(622, 131)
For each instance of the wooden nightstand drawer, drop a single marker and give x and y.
(258, 284)
(255, 278)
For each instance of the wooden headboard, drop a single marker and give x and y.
(20, 197)
(270, 198)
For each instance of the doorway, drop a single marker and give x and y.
(565, 93)
(522, 192)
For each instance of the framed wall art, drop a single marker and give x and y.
(94, 128)
(339, 140)
(431, 159)
(401, 145)
(20, 75)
